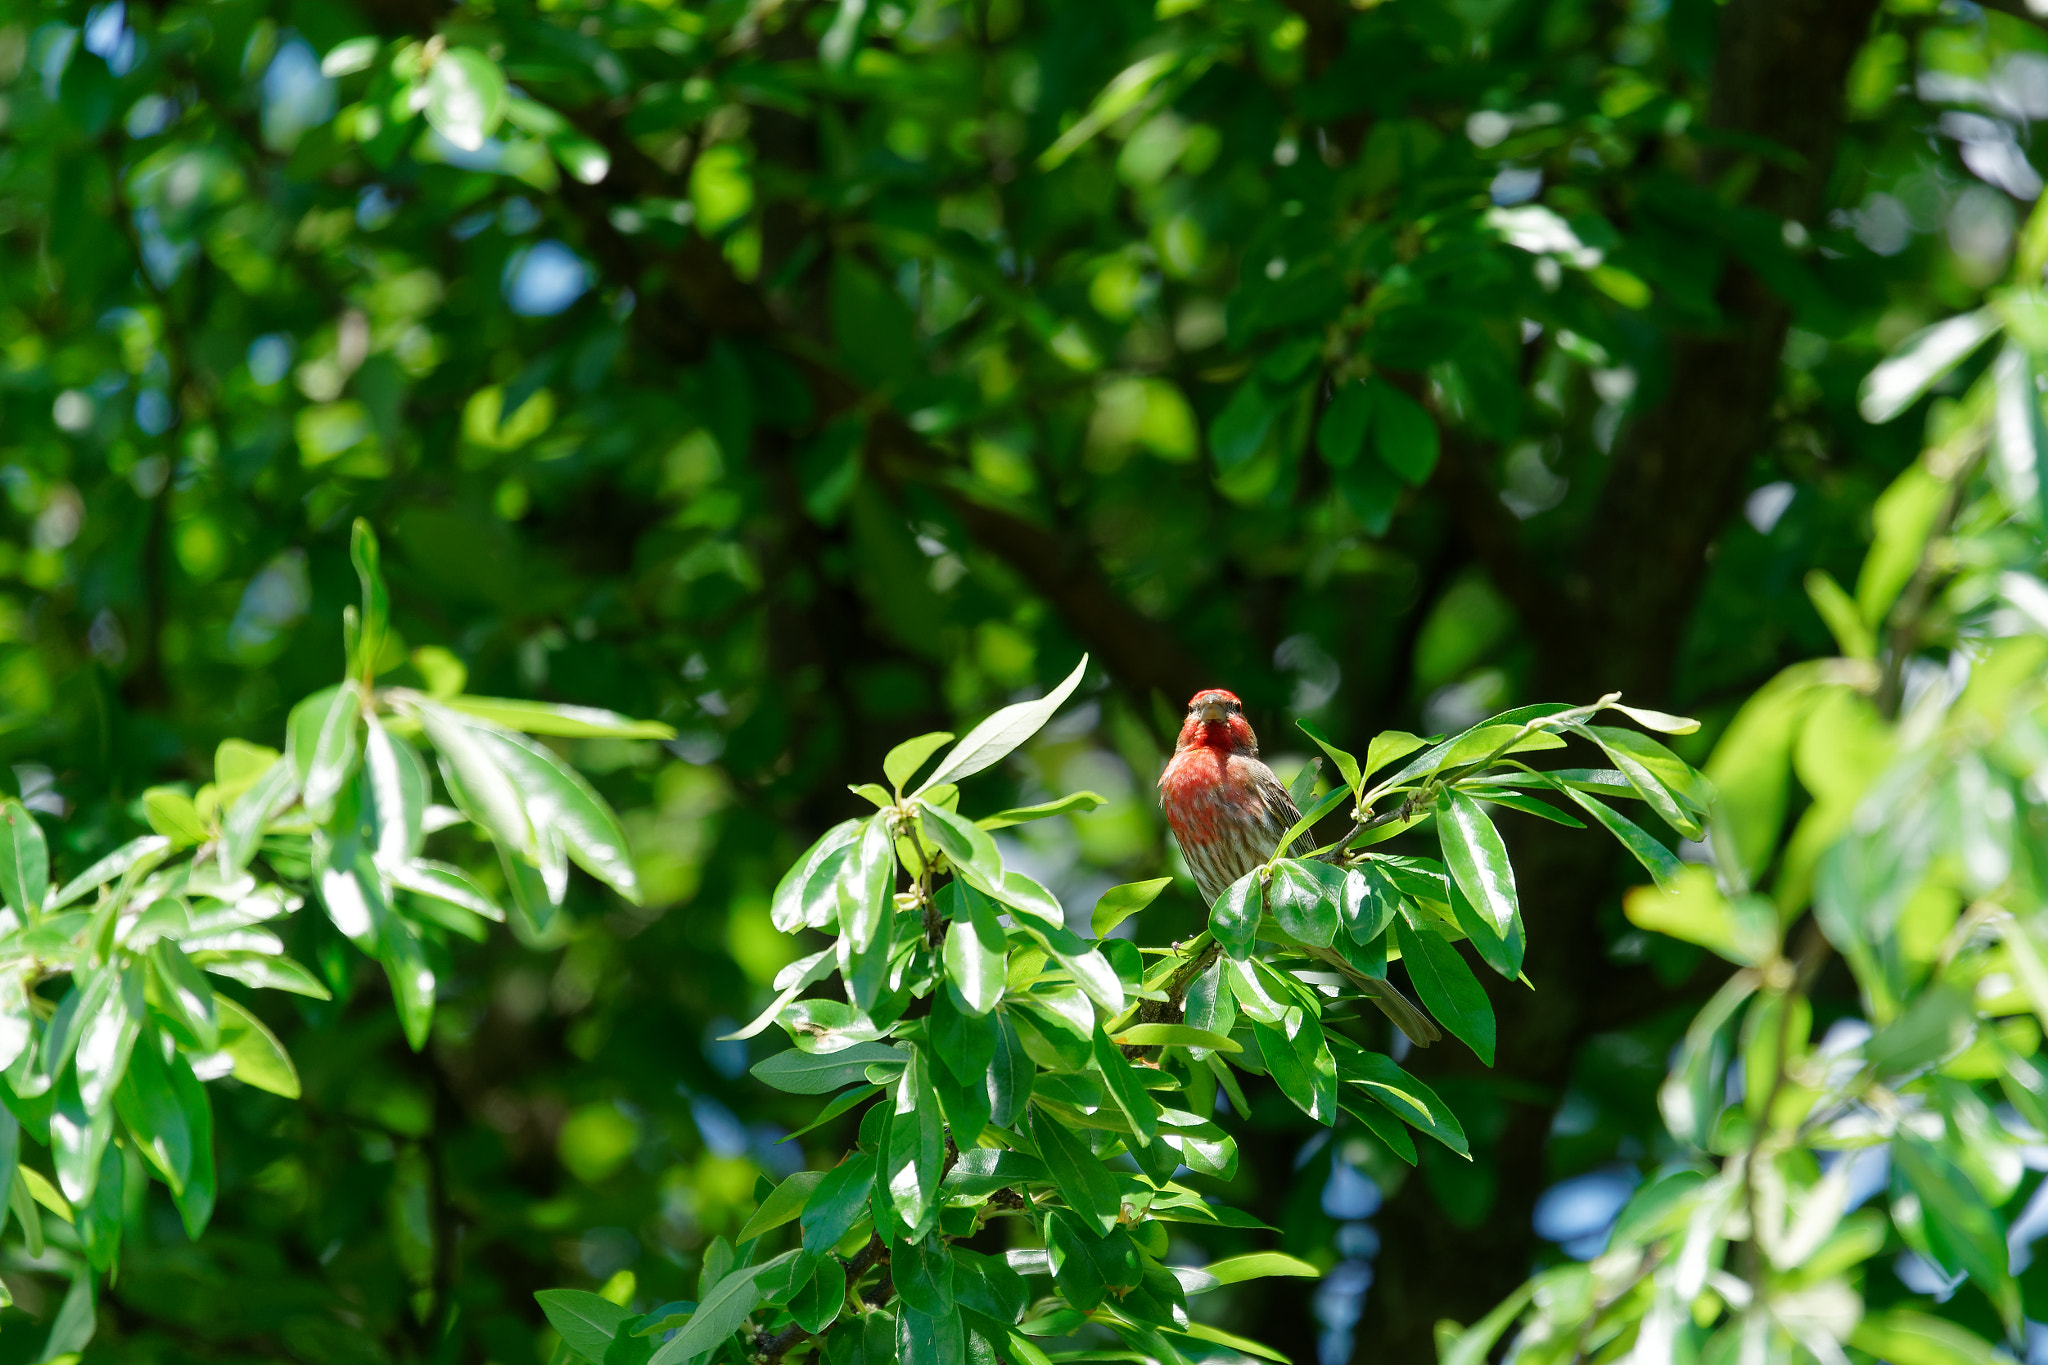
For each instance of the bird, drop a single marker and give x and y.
(1228, 813)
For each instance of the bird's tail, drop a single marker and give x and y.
(1406, 1015)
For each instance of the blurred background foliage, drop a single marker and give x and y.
(808, 376)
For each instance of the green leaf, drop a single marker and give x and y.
(1369, 902)
(1745, 930)
(1234, 919)
(169, 811)
(558, 799)
(928, 1339)
(320, 740)
(78, 1140)
(1963, 1230)
(1404, 434)
(136, 853)
(1837, 611)
(24, 860)
(1303, 897)
(376, 613)
(259, 1059)
(265, 971)
(444, 883)
(1175, 1035)
(905, 759)
(1477, 858)
(1656, 774)
(1021, 892)
(724, 1308)
(821, 1073)
(917, 1145)
(865, 884)
(1918, 363)
(465, 97)
(1388, 747)
(839, 1105)
(1083, 1182)
(1083, 960)
(149, 1107)
(838, 1202)
(569, 722)
(965, 1104)
(1502, 952)
(412, 980)
(1448, 988)
(1406, 1097)
(994, 739)
(807, 895)
(1906, 1336)
(1010, 1075)
(963, 1043)
(1073, 803)
(819, 1303)
(1521, 801)
(1301, 1065)
(966, 845)
(1340, 436)
(586, 1322)
(195, 1200)
(1242, 424)
(108, 1035)
(1259, 1265)
(1470, 1346)
(976, 947)
(399, 791)
(1119, 903)
(77, 1319)
(1657, 860)
(1347, 766)
(1382, 1124)
(252, 812)
(1125, 1087)
(1661, 721)
(923, 1275)
(783, 1204)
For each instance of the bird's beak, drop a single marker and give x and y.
(1214, 712)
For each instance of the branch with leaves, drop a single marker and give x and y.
(1823, 1181)
(1007, 1068)
(111, 1010)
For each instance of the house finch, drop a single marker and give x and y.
(1227, 811)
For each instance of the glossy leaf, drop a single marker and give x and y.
(1234, 919)
(1477, 858)
(1083, 1182)
(994, 739)
(1119, 903)
(259, 1059)
(24, 860)
(1073, 803)
(1448, 989)
(570, 722)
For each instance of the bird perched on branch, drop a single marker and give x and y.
(1228, 812)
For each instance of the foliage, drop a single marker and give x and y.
(814, 376)
(1017, 1071)
(109, 1022)
(1918, 862)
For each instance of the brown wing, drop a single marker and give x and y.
(1278, 803)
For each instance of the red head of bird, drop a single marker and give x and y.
(1216, 721)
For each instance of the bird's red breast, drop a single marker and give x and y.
(1226, 808)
